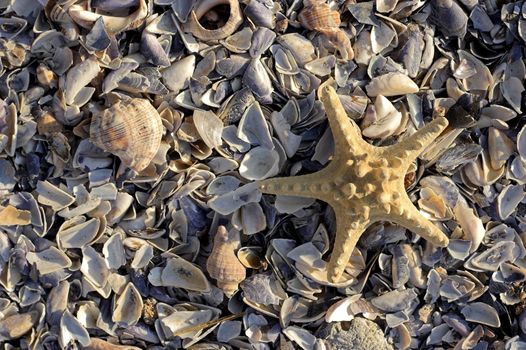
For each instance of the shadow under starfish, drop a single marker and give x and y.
(362, 183)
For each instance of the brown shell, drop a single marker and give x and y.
(223, 264)
(319, 17)
(131, 130)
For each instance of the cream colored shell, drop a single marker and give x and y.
(131, 130)
(223, 264)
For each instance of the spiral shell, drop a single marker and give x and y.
(131, 130)
(223, 264)
(319, 17)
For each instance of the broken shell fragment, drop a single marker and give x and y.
(128, 307)
(195, 28)
(391, 84)
(223, 264)
(130, 130)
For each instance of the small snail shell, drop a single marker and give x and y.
(131, 130)
(223, 264)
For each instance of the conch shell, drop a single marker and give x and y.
(223, 264)
(131, 130)
(234, 20)
(318, 16)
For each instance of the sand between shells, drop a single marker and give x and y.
(136, 137)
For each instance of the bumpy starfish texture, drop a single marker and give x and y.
(362, 183)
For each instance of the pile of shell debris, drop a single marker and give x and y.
(135, 136)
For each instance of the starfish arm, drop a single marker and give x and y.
(409, 217)
(348, 232)
(316, 185)
(344, 132)
(410, 148)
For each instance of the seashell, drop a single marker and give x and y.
(94, 267)
(395, 300)
(16, 325)
(128, 307)
(177, 76)
(113, 24)
(481, 313)
(319, 16)
(253, 127)
(300, 47)
(152, 49)
(492, 258)
(58, 14)
(508, 200)
(180, 273)
(512, 89)
(49, 260)
(258, 81)
(250, 219)
(11, 216)
(385, 6)
(500, 148)
(391, 84)
(300, 336)
(209, 127)
(223, 264)
(471, 225)
(234, 107)
(259, 163)
(386, 120)
(229, 202)
(239, 42)
(449, 17)
(130, 130)
(72, 331)
(196, 29)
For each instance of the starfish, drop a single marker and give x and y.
(362, 183)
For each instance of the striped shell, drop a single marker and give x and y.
(223, 264)
(131, 130)
(319, 17)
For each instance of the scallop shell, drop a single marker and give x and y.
(223, 264)
(130, 130)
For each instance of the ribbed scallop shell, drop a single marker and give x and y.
(223, 264)
(319, 17)
(131, 130)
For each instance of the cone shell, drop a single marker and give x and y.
(223, 264)
(320, 17)
(131, 130)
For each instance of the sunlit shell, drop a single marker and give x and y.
(130, 130)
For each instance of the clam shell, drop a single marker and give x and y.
(130, 130)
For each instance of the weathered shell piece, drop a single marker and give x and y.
(130, 130)
(234, 20)
(223, 264)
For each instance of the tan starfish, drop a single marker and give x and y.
(362, 183)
